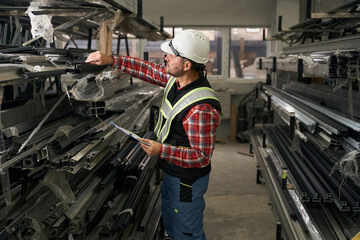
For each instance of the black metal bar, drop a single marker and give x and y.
(279, 138)
(300, 67)
(124, 218)
(58, 85)
(274, 64)
(139, 9)
(52, 44)
(280, 23)
(278, 231)
(308, 9)
(263, 34)
(18, 50)
(260, 64)
(89, 38)
(118, 44)
(284, 178)
(292, 125)
(264, 140)
(161, 24)
(146, 56)
(258, 175)
(269, 103)
(153, 112)
(127, 45)
(66, 45)
(28, 75)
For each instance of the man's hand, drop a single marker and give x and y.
(153, 149)
(98, 58)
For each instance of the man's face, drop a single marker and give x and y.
(175, 65)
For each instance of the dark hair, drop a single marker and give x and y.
(198, 67)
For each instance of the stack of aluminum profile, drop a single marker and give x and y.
(59, 178)
(319, 148)
(330, 65)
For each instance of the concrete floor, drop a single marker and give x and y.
(236, 207)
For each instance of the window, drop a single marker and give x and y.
(213, 66)
(133, 45)
(246, 46)
(156, 55)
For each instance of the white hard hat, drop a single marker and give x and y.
(190, 44)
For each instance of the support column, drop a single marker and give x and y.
(106, 35)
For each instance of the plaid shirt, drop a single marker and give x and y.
(200, 122)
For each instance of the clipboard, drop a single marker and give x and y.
(130, 134)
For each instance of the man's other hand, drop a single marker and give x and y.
(153, 149)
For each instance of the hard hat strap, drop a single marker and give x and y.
(173, 49)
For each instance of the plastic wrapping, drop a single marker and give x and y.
(288, 64)
(295, 145)
(101, 86)
(315, 235)
(17, 66)
(62, 131)
(340, 83)
(57, 182)
(26, 59)
(316, 67)
(312, 65)
(348, 166)
(132, 98)
(40, 24)
(37, 228)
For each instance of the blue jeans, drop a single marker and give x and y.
(183, 205)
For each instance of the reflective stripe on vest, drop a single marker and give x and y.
(169, 112)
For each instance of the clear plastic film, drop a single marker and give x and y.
(348, 166)
(314, 233)
(62, 131)
(101, 86)
(316, 66)
(132, 98)
(40, 24)
(57, 182)
(295, 145)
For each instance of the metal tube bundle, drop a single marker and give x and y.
(125, 216)
(311, 174)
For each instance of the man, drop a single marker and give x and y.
(186, 129)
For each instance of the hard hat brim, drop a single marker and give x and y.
(166, 48)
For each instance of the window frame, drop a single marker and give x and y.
(225, 70)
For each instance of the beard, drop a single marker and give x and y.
(175, 72)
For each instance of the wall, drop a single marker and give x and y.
(289, 10)
(239, 88)
(210, 13)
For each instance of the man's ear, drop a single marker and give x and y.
(187, 66)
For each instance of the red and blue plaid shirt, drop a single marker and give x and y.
(200, 122)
